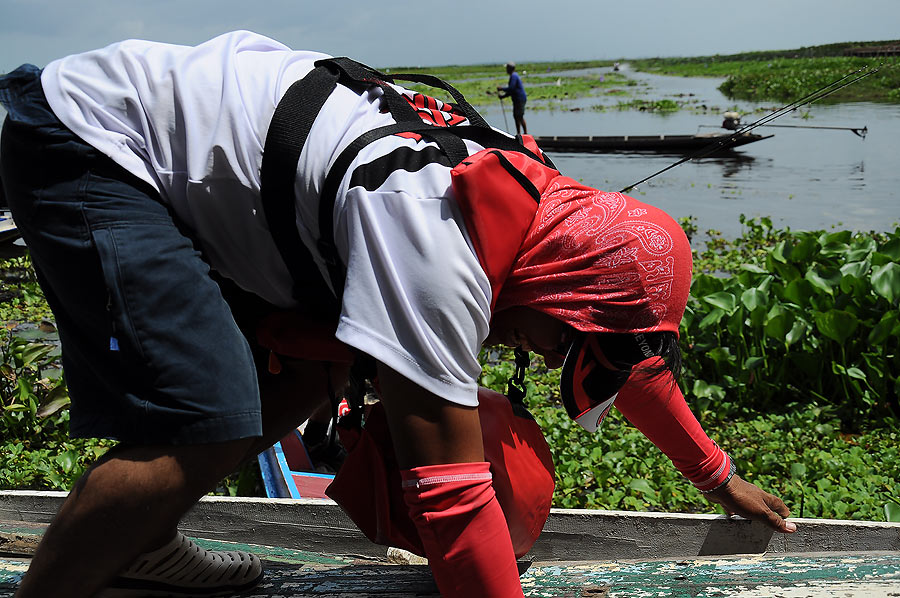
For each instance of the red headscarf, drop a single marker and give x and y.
(601, 262)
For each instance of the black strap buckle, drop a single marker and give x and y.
(515, 388)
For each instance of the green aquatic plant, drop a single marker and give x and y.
(664, 105)
(803, 316)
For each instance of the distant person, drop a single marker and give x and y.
(516, 91)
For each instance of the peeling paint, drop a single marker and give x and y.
(311, 574)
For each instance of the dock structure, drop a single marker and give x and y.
(311, 549)
(870, 51)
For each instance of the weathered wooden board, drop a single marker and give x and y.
(311, 550)
(569, 534)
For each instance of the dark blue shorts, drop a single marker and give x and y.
(151, 352)
(518, 108)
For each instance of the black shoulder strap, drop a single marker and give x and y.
(357, 74)
(288, 130)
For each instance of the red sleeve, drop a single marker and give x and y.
(656, 407)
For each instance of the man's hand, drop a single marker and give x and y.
(739, 497)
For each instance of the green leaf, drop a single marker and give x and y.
(753, 268)
(836, 324)
(886, 281)
(799, 291)
(856, 373)
(882, 330)
(892, 512)
(803, 250)
(891, 249)
(758, 317)
(704, 284)
(797, 332)
(856, 269)
(779, 323)
(721, 355)
(823, 279)
(703, 390)
(778, 252)
(841, 237)
(723, 300)
(52, 406)
(711, 319)
(853, 286)
(642, 486)
(34, 352)
(798, 471)
(753, 298)
(787, 272)
(67, 460)
(754, 362)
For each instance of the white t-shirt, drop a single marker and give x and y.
(192, 122)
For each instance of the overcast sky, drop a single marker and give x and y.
(404, 33)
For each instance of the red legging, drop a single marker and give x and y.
(463, 530)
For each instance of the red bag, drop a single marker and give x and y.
(367, 486)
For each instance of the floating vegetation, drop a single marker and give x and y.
(542, 89)
(784, 79)
(664, 105)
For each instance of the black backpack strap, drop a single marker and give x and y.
(288, 130)
(359, 77)
(359, 74)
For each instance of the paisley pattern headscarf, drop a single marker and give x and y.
(601, 262)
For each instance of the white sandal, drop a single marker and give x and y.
(184, 570)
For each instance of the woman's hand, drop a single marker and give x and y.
(739, 497)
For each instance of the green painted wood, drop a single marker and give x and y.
(11, 571)
(869, 575)
(311, 573)
(861, 575)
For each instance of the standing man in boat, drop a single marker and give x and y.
(409, 226)
(515, 90)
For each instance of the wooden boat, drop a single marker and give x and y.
(8, 230)
(647, 143)
(288, 472)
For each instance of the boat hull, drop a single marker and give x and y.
(715, 142)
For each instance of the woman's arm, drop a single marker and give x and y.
(656, 407)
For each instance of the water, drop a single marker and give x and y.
(804, 179)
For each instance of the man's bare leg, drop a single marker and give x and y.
(447, 487)
(521, 126)
(128, 503)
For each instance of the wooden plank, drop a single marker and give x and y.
(569, 534)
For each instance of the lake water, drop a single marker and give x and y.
(805, 179)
